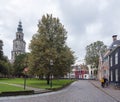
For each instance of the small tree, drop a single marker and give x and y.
(21, 61)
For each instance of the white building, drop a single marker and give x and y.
(18, 43)
(92, 71)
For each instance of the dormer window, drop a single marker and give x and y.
(115, 45)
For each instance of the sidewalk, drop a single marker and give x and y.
(115, 93)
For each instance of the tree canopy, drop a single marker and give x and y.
(1, 50)
(93, 51)
(49, 43)
(4, 63)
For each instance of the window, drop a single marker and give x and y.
(104, 72)
(116, 74)
(111, 61)
(116, 58)
(16, 46)
(111, 75)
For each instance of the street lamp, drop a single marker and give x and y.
(25, 72)
(51, 64)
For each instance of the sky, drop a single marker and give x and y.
(86, 21)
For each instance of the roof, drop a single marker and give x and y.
(114, 49)
(106, 54)
(114, 44)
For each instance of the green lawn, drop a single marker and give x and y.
(4, 88)
(36, 83)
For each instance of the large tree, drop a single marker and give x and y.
(93, 51)
(49, 44)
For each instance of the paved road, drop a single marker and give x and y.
(79, 91)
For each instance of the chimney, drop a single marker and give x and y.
(114, 37)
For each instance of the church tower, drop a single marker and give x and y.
(18, 43)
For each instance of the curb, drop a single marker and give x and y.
(19, 93)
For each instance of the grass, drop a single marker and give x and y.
(5, 88)
(36, 83)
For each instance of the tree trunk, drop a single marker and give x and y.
(48, 79)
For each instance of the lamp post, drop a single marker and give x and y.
(25, 82)
(25, 71)
(51, 64)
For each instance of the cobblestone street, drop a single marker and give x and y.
(79, 91)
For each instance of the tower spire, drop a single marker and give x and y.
(19, 29)
(18, 43)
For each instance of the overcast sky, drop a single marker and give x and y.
(86, 21)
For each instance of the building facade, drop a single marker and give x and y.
(109, 64)
(114, 61)
(92, 71)
(103, 68)
(18, 43)
(78, 72)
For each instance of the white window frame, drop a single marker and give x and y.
(116, 58)
(116, 74)
(111, 62)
